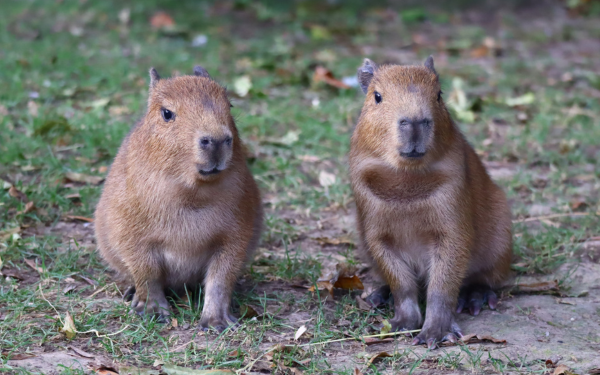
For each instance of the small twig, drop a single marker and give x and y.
(362, 337)
(100, 290)
(251, 364)
(76, 331)
(554, 216)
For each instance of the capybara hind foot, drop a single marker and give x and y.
(474, 297)
(219, 322)
(379, 296)
(153, 305)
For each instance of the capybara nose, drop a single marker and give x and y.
(414, 154)
(211, 142)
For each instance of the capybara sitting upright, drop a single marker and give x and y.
(429, 216)
(180, 206)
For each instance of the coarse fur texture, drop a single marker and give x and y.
(428, 214)
(180, 207)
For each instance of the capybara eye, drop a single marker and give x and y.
(167, 115)
(440, 95)
(228, 141)
(377, 97)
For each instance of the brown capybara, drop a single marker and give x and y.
(180, 207)
(428, 214)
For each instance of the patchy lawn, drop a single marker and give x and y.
(522, 81)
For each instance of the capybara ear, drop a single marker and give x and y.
(429, 64)
(200, 72)
(365, 74)
(154, 78)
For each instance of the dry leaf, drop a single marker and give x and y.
(7, 233)
(479, 52)
(69, 288)
(362, 304)
(29, 207)
(161, 19)
(386, 327)
(81, 353)
(323, 285)
(475, 338)
(79, 218)
(174, 323)
(323, 74)
(251, 311)
(83, 178)
(103, 169)
(375, 340)
(378, 356)
(16, 193)
(562, 370)
(32, 108)
(349, 283)
(326, 179)
(334, 241)
(300, 332)
(357, 371)
(69, 327)
(16, 356)
(105, 370)
(543, 286)
(33, 264)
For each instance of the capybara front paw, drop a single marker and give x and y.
(218, 323)
(153, 306)
(433, 334)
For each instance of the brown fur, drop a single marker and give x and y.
(160, 222)
(436, 220)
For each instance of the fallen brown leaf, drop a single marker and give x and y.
(29, 206)
(105, 370)
(349, 283)
(251, 311)
(362, 304)
(334, 241)
(323, 74)
(83, 178)
(16, 356)
(375, 340)
(562, 370)
(33, 264)
(7, 233)
(79, 218)
(378, 356)
(475, 338)
(69, 288)
(543, 286)
(16, 193)
(357, 371)
(323, 285)
(69, 327)
(161, 19)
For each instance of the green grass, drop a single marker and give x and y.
(73, 80)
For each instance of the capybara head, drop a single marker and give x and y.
(404, 110)
(191, 132)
